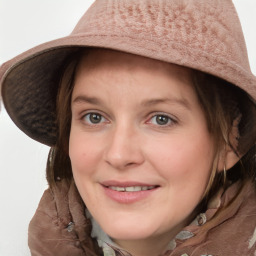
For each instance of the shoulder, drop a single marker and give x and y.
(59, 226)
(236, 234)
(231, 232)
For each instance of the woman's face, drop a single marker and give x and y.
(140, 149)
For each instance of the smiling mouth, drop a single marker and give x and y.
(131, 188)
(128, 192)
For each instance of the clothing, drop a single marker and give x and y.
(60, 226)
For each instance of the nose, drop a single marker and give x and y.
(124, 148)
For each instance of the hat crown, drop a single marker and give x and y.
(206, 25)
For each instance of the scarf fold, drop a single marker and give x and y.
(61, 227)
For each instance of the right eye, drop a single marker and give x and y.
(94, 118)
(162, 120)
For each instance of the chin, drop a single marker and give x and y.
(128, 231)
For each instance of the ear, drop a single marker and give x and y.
(227, 157)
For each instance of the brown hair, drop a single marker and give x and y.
(58, 163)
(221, 102)
(227, 107)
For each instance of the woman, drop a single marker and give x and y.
(149, 109)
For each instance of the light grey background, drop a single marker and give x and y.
(24, 24)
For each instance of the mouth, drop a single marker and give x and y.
(131, 188)
(128, 192)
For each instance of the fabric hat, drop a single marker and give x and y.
(201, 34)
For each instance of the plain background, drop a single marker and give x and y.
(24, 24)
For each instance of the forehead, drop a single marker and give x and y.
(117, 74)
(109, 60)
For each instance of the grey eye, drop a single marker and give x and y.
(94, 118)
(161, 119)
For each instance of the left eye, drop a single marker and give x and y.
(161, 120)
(94, 118)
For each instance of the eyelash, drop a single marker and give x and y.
(89, 123)
(170, 122)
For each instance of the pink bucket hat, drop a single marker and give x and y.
(201, 34)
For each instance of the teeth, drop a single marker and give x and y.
(118, 188)
(131, 189)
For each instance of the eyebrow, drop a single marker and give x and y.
(86, 99)
(181, 101)
(146, 103)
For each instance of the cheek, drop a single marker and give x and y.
(82, 153)
(185, 169)
(84, 160)
(183, 165)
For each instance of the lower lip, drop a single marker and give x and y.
(128, 197)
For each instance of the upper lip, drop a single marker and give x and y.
(115, 183)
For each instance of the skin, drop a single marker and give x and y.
(130, 94)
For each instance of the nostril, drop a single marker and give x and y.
(120, 164)
(129, 164)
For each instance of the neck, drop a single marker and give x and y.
(153, 246)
